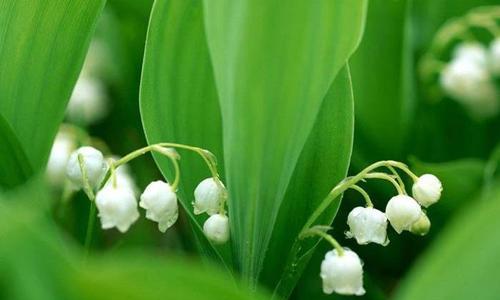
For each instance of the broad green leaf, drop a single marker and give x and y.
(273, 66)
(463, 262)
(42, 46)
(178, 97)
(383, 82)
(322, 164)
(15, 167)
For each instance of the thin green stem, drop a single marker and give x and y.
(347, 183)
(365, 195)
(90, 194)
(155, 147)
(384, 176)
(327, 237)
(398, 178)
(90, 228)
(173, 156)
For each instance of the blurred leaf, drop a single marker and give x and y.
(273, 66)
(178, 96)
(463, 263)
(15, 168)
(383, 82)
(42, 49)
(33, 263)
(322, 163)
(146, 278)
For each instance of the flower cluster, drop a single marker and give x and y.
(341, 269)
(469, 77)
(109, 184)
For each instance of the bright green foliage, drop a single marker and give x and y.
(42, 46)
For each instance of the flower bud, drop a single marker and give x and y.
(93, 162)
(208, 196)
(160, 202)
(402, 211)
(342, 274)
(367, 224)
(63, 146)
(117, 207)
(422, 225)
(495, 56)
(427, 190)
(216, 228)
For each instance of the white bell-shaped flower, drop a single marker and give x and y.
(160, 202)
(94, 164)
(88, 103)
(63, 146)
(367, 225)
(427, 190)
(216, 228)
(342, 274)
(473, 52)
(208, 196)
(117, 207)
(494, 56)
(467, 79)
(462, 78)
(402, 211)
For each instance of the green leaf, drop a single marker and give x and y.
(273, 66)
(322, 163)
(15, 168)
(178, 98)
(43, 44)
(383, 82)
(463, 263)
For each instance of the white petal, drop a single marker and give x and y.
(402, 211)
(367, 225)
(427, 190)
(94, 164)
(342, 274)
